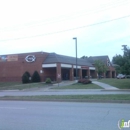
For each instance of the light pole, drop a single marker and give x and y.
(75, 38)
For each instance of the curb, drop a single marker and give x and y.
(69, 100)
(120, 90)
(10, 90)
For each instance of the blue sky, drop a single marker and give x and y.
(32, 25)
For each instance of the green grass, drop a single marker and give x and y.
(79, 86)
(124, 97)
(19, 86)
(119, 83)
(6, 84)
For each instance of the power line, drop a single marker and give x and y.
(60, 19)
(66, 29)
(85, 13)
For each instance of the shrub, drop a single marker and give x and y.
(81, 80)
(48, 80)
(87, 82)
(25, 78)
(36, 77)
(84, 81)
(28, 74)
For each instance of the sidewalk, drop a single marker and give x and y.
(105, 86)
(65, 83)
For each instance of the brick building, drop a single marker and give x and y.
(57, 67)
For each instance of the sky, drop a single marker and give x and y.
(101, 27)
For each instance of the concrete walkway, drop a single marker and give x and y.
(65, 83)
(105, 86)
(48, 91)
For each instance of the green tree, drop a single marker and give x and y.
(84, 57)
(126, 51)
(123, 61)
(100, 67)
(25, 77)
(28, 74)
(36, 77)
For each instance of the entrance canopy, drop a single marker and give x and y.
(65, 66)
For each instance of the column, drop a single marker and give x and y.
(80, 73)
(72, 74)
(110, 74)
(88, 73)
(96, 74)
(58, 72)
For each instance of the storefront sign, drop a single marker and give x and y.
(12, 58)
(30, 58)
(84, 67)
(3, 58)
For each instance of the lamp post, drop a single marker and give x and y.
(75, 38)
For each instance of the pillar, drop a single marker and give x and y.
(72, 74)
(96, 74)
(88, 73)
(58, 72)
(80, 73)
(110, 74)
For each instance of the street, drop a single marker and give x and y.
(25, 115)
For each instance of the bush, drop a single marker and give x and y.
(48, 80)
(81, 80)
(36, 77)
(87, 82)
(28, 74)
(84, 81)
(25, 78)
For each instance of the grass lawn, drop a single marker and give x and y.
(79, 86)
(19, 86)
(107, 98)
(119, 83)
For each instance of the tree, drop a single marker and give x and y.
(28, 74)
(126, 51)
(84, 57)
(123, 61)
(36, 77)
(26, 77)
(100, 67)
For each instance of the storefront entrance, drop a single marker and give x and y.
(65, 72)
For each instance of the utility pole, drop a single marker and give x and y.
(75, 38)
